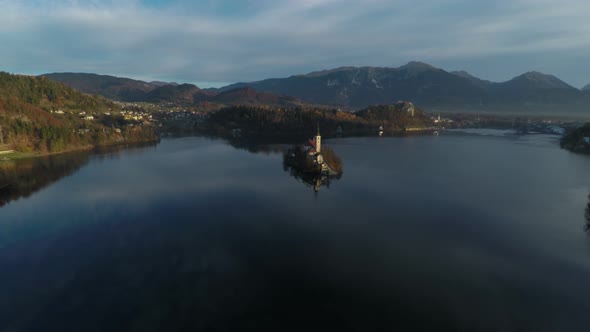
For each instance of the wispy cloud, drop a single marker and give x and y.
(229, 41)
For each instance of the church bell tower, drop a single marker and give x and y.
(318, 141)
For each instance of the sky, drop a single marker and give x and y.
(214, 42)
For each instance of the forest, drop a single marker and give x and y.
(577, 140)
(303, 121)
(41, 116)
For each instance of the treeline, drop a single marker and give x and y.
(397, 117)
(332, 159)
(46, 94)
(304, 120)
(574, 140)
(270, 120)
(39, 115)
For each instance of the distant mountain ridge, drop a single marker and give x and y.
(429, 87)
(126, 89)
(251, 96)
(160, 83)
(473, 79)
(362, 86)
(115, 88)
(180, 94)
(358, 87)
(129, 90)
(537, 80)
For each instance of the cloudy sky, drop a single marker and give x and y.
(210, 42)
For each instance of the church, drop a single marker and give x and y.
(315, 150)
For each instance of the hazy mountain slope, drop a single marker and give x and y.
(185, 94)
(358, 87)
(160, 83)
(428, 87)
(537, 81)
(116, 88)
(249, 96)
(484, 84)
(536, 91)
(125, 89)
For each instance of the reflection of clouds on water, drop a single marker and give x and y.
(179, 172)
(418, 231)
(121, 189)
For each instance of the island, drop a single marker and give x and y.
(312, 163)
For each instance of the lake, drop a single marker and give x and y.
(449, 233)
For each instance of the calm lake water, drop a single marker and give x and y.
(448, 233)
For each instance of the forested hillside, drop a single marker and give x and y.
(577, 140)
(304, 120)
(39, 115)
(115, 88)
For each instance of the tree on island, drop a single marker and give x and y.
(332, 159)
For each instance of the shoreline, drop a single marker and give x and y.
(29, 155)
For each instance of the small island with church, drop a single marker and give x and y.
(313, 163)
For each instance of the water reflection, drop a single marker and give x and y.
(315, 181)
(257, 146)
(314, 165)
(22, 178)
(313, 168)
(191, 237)
(587, 215)
(301, 161)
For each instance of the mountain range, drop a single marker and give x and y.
(129, 90)
(428, 87)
